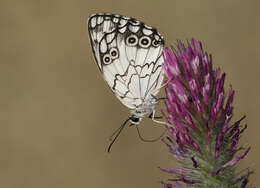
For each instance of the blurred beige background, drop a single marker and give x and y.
(56, 112)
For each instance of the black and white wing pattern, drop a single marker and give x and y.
(129, 56)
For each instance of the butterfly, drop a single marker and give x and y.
(128, 53)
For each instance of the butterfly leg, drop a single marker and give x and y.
(161, 98)
(152, 117)
(158, 99)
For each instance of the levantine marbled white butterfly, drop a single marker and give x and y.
(129, 56)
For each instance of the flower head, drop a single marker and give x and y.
(198, 117)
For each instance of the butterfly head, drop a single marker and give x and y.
(134, 119)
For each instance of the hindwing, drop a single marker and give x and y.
(129, 56)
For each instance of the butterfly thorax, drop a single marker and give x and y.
(147, 107)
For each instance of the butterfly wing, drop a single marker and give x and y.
(129, 56)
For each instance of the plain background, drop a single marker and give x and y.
(56, 112)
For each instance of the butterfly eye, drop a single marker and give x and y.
(144, 42)
(107, 59)
(135, 120)
(114, 53)
(132, 40)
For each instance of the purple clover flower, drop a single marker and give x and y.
(199, 112)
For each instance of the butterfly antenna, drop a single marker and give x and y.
(116, 134)
(152, 140)
(111, 138)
